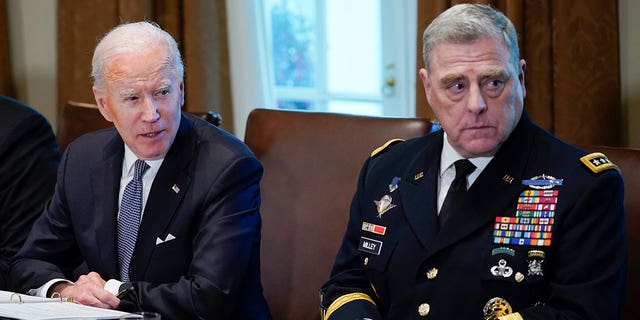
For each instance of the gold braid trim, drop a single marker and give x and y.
(384, 146)
(342, 300)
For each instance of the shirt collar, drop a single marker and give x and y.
(449, 155)
(130, 159)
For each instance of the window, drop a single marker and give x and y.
(347, 56)
(329, 55)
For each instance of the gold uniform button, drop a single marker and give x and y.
(423, 309)
(432, 273)
(366, 261)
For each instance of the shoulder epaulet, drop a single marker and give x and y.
(598, 162)
(385, 146)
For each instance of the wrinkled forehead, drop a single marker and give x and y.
(489, 52)
(149, 64)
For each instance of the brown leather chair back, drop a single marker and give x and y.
(311, 164)
(77, 118)
(628, 160)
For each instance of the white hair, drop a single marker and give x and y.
(130, 38)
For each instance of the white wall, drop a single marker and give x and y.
(32, 34)
(629, 68)
(247, 75)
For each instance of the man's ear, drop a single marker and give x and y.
(523, 67)
(426, 83)
(102, 104)
(181, 94)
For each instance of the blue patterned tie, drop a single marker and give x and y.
(129, 219)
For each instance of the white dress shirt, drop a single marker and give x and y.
(448, 171)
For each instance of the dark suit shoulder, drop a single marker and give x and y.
(104, 134)
(17, 117)
(216, 139)
(14, 109)
(91, 146)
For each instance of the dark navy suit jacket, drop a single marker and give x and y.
(412, 270)
(29, 158)
(205, 194)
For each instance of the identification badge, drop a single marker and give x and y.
(370, 245)
(373, 228)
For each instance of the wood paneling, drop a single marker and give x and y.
(6, 83)
(199, 27)
(80, 25)
(573, 69)
(586, 76)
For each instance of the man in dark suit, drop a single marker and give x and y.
(491, 218)
(29, 157)
(163, 208)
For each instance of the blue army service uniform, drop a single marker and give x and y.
(542, 236)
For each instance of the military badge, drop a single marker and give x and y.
(503, 250)
(383, 205)
(502, 270)
(373, 228)
(598, 162)
(394, 184)
(542, 182)
(535, 267)
(507, 178)
(536, 253)
(495, 308)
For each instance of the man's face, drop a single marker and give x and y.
(475, 93)
(142, 97)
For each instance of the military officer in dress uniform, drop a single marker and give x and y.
(493, 217)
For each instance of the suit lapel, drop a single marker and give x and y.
(418, 190)
(494, 190)
(105, 179)
(168, 189)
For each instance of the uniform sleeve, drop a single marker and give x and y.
(589, 272)
(348, 293)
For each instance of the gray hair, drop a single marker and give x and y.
(130, 38)
(465, 23)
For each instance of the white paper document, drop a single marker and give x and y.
(20, 306)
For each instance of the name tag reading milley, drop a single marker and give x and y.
(370, 245)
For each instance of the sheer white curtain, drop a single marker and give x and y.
(250, 85)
